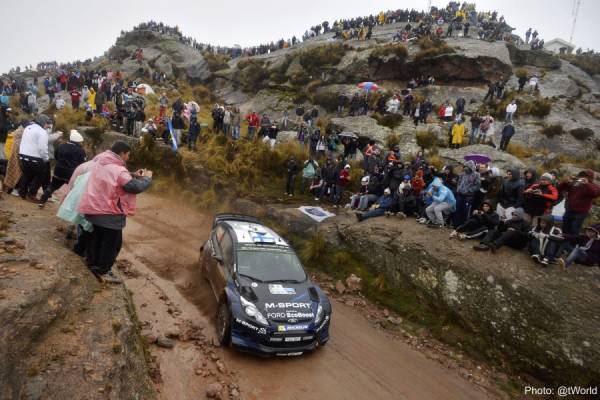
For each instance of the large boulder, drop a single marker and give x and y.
(543, 322)
(536, 58)
(363, 126)
(162, 53)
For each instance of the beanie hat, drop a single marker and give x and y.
(75, 136)
(547, 176)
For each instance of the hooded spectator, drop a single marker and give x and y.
(479, 223)
(110, 197)
(68, 156)
(443, 203)
(469, 183)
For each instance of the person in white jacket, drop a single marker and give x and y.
(511, 109)
(34, 156)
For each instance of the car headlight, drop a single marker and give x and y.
(320, 314)
(251, 311)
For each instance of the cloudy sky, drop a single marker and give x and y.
(66, 30)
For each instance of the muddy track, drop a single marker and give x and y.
(360, 361)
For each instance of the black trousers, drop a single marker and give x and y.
(504, 142)
(515, 239)
(104, 248)
(54, 185)
(34, 174)
(290, 183)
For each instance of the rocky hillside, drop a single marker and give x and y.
(319, 69)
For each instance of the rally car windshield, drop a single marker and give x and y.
(270, 266)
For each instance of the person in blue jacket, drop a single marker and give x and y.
(443, 203)
(378, 209)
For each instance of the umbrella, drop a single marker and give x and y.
(368, 86)
(478, 158)
(144, 88)
(348, 134)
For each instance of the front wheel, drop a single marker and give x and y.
(223, 324)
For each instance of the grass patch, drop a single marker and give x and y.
(426, 139)
(327, 100)
(520, 151)
(216, 62)
(389, 120)
(389, 50)
(431, 47)
(392, 140)
(315, 59)
(252, 74)
(551, 131)
(588, 63)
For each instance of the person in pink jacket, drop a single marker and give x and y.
(107, 201)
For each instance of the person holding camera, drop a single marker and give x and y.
(581, 192)
(109, 198)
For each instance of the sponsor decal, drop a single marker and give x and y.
(279, 289)
(291, 328)
(286, 305)
(323, 323)
(248, 325)
(290, 315)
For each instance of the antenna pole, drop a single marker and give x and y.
(576, 4)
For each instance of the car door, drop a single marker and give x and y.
(225, 265)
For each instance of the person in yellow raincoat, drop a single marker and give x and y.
(381, 18)
(458, 132)
(92, 98)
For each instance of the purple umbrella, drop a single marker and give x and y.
(478, 158)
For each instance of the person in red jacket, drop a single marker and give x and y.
(539, 198)
(253, 122)
(581, 192)
(75, 96)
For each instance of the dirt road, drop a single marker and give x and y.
(359, 362)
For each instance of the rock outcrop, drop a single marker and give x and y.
(536, 58)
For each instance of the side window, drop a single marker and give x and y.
(227, 249)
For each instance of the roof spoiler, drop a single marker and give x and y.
(235, 217)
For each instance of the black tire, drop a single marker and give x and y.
(223, 324)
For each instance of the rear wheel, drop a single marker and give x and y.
(224, 324)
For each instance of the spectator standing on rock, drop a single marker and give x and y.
(253, 123)
(5, 127)
(475, 122)
(13, 168)
(33, 155)
(522, 82)
(193, 133)
(491, 91)
(163, 102)
(75, 96)
(527, 36)
(178, 126)
(581, 192)
(109, 198)
(235, 123)
(507, 133)
(99, 100)
(309, 173)
(511, 109)
(68, 156)
(533, 84)
(302, 134)
(292, 171)
(458, 132)
(460, 106)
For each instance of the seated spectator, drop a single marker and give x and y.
(581, 249)
(511, 232)
(355, 198)
(443, 203)
(479, 223)
(511, 195)
(378, 209)
(405, 202)
(544, 240)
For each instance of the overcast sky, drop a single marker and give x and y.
(67, 30)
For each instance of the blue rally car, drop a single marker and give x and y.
(267, 304)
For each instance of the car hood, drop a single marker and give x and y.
(283, 302)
